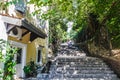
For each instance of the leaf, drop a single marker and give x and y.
(45, 1)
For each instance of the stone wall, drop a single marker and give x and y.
(114, 64)
(102, 53)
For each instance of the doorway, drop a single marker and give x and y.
(19, 57)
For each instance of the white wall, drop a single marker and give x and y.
(3, 34)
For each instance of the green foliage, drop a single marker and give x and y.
(7, 59)
(56, 35)
(71, 34)
(2, 47)
(77, 11)
(30, 69)
(9, 64)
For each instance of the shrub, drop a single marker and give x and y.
(30, 69)
(8, 60)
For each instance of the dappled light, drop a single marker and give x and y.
(71, 66)
(67, 39)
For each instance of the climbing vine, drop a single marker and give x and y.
(7, 58)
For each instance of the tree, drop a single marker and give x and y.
(99, 19)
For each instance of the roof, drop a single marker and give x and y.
(23, 23)
(33, 29)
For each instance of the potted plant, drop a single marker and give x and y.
(30, 69)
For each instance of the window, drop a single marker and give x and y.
(39, 55)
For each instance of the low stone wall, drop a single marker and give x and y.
(102, 53)
(114, 64)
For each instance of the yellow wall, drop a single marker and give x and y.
(24, 39)
(31, 47)
(41, 42)
(31, 54)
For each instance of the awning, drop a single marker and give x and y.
(36, 31)
(23, 23)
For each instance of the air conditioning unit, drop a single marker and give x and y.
(16, 32)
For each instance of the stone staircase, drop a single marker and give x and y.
(71, 66)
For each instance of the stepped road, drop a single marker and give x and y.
(72, 64)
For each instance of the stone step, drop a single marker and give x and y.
(89, 68)
(105, 76)
(63, 78)
(81, 71)
(76, 58)
(79, 60)
(79, 79)
(74, 65)
(84, 71)
(79, 65)
(81, 68)
(82, 62)
(85, 68)
(69, 55)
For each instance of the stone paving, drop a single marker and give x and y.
(72, 64)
